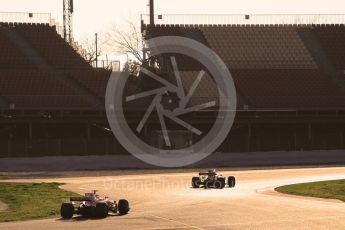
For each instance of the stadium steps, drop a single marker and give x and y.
(316, 50)
(324, 63)
(38, 61)
(332, 38)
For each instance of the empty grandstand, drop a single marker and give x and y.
(52, 100)
(289, 80)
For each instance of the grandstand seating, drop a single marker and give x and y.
(93, 79)
(270, 64)
(26, 85)
(64, 58)
(184, 62)
(206, 91)
(51, 46)
(247, 47)
(259, 47)
(177, 30)
(11, 56)
(288, 89)
(271, 67)
(34, 89)
(332, 38)
(277, 89)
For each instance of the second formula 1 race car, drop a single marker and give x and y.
(92, 205)
(212, 179)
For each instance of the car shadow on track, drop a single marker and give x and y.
(85, 218)
(211, 188)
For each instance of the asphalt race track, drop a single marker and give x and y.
(166, 201)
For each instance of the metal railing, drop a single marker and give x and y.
(249, 19)
(107, 64)
(25, 17)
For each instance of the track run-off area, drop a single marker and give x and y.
(167, 201)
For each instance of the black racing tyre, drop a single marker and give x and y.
(222, 182)
(208, 184)
(196, 182)
(231, 181)
(217, 184)
(101, 210)
(123, 207)
(67, 210)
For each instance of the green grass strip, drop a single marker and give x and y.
(334, 189)
(31, 200)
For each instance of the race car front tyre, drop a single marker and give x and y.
(123, 207)
(67, 210)
(231, 181)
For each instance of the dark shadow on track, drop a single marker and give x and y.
(85, 218)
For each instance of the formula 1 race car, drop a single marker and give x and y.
(92, 205)
(212, 179)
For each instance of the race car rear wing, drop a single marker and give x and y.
(80, 198)
(207, 174)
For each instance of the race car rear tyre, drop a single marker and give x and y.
(67, 210)
(123, 207)
(101, 210)
(231, 181)
(217, 184)
(196, 182)
(208, 184)
(222, 182)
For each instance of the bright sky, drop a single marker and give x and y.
(91, 16)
